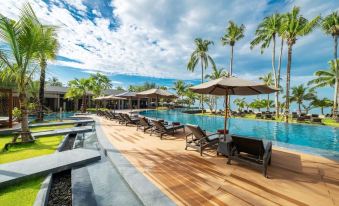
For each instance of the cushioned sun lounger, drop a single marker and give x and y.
(160, 128)
(200, 139)
(144, 124)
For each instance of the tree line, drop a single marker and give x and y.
(287, 29)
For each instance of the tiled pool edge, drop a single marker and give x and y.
(146, 191)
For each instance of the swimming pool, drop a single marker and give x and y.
(53, 116)
(314, 139)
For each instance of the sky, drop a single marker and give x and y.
(143, 40)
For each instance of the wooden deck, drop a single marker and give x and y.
(188, 179)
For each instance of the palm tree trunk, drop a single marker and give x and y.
(268, 103)
(322, 110)
(25, 133)
(231, 62)
(288, 76)
(43, 65)
(299, 108)
(278, 77)
(335, 100)
(202, 81)
(83, 104)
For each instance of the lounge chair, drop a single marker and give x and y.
(199, 139)
(258, 116)
(129, 120)
(144, 124)
(295, 115)
(251, 151)
(160, 128)
(120, 118)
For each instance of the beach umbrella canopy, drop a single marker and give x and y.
(232, 86)
(158, 93)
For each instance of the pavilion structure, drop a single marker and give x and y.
(6, 107)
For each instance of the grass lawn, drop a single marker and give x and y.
(21, 194)
(25, 192)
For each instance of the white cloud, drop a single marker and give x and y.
(155, 38)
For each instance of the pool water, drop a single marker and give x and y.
(53, 116)
(314, 139)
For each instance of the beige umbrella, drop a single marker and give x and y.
(232, 86)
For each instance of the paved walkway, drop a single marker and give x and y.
(13, 172)
(66, 122)
(83, 129)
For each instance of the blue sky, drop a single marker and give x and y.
(142, 40)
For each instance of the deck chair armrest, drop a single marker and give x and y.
(190, 134)
(268, 153)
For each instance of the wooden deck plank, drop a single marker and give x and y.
(294, 178)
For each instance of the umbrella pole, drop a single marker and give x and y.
(225, 119)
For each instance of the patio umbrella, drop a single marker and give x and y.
(232, 86)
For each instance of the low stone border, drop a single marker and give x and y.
(42, 196)
(145, 190)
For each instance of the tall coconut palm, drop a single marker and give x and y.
(293, 26)
(300, 94)
(48, 46)
(216, 74)
(200, 54)
(18, 60)
(330, 25)
(268, 80)
(322, 103)
(325, 78)
(267, 32)
(240, 102)
(180, 87)
(233, 34)
(79, 87)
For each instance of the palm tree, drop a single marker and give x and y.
(191, 97)
(233, 34)
(322, 103)
(200, 54)
(33, 91)
(300, 94)
(99, 83)
(268, 80)
(18, 60)
(47, 50)
(77, 88)
(294, 25)
(240, 102)
(54, 81)
(330, 25)
(327, 78)
(216, 74)
(180, 87)
(266, 33)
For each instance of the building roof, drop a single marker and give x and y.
(127, 94)
(63, 90)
